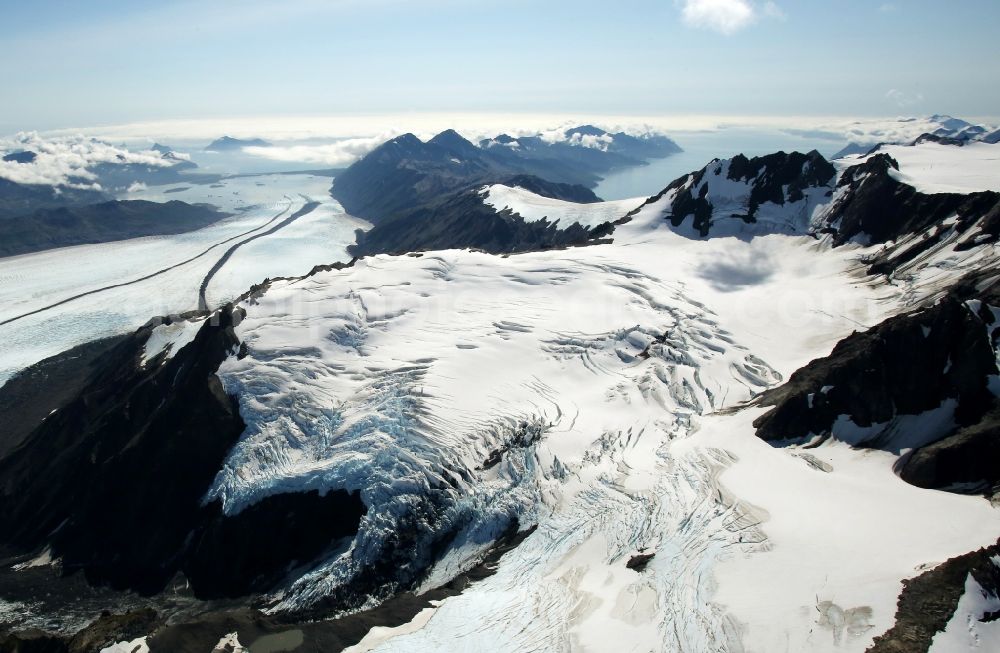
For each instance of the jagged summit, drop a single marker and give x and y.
(776, 192)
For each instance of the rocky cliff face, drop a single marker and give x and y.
(779, 191)
(929, 601)
(922, 381)
(873, 206)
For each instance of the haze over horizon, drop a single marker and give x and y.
(109, 62)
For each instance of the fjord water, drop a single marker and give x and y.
(701, 147)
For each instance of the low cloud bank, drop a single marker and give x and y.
(67, 160)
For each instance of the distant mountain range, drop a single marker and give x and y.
(228, 144)
(583, 156)
(119, 176)
(421, 194)
(946, 129)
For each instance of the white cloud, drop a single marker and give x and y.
(726, 16)
(336, 154)
(66, 161)
(589, 140)
(870, 131)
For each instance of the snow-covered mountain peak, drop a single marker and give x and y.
(777, 193)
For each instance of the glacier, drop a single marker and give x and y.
(595, 395)
(118, 286)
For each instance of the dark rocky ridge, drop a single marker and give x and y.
(780, 177)
(463, 220)
(875, 205)
(103, 632)
(937, 138)
(554, 190)
(907, 365)
(928, 602)
(870, 204)
(776, 178)
(89, 481)
(405, 174)
(965, 460)
(98, 223)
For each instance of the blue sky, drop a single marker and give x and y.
(69, 63)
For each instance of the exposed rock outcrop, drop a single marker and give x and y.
(928, 602)
(735, 190)
(112, 482)
(872, 205)
(942, 358)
